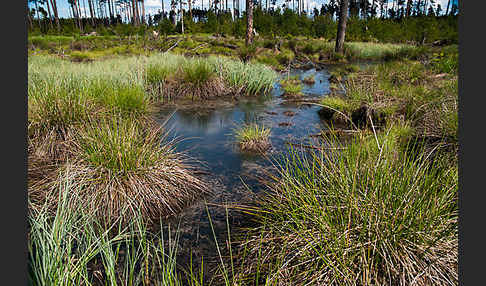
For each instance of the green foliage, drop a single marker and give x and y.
(251, 132)
(197, 72)
(156, 74)
(324, 204)
(246, 53)
(446, 61)
(285, 22)
(345, 106)
(121, 145)
(64, 246)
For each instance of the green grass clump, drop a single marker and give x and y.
(285, 56)
(197, 72)
(124, 164)
(246, 78)
(292, 89)
(291, 86)
(359, 216)
(339, 104)
(67, 246)
(253, 137)
(121, 146)
(56, 105)
(79, 56)
(246, 53)
(157, 74)
(122, 98)
(310, 79)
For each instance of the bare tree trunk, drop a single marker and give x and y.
(249, 22)
(56, 15)
(174, 20)
(189, 3)
(343, 18)
(137, 8)
(143, 11)
(163, 11)
(91, 13)
(79, 14)
(135, 12)
(110, 11)
(409, 6)
(447, 10)
(182, 17)
(49, 12)
(29, 18)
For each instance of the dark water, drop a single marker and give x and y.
(207, 136)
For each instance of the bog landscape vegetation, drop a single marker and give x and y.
(228, 143)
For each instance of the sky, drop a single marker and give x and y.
(153, 6)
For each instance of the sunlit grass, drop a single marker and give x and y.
(367, 214)
(253, 137)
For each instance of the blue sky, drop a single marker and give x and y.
(152, 6)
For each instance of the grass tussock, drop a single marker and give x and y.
(124, 165)
(310, 79)
(291, 87)
(366, 215)
(253, 137)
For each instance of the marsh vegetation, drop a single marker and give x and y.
(133, 178)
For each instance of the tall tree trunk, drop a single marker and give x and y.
(137, 8)
(189, 3)
(447, 10)
(173, 7)
(163, 11)
(56, 15)
(29, 18)
(182, 16)
(49, 12)
(249, 22)
(134, 12)
(143, 11)
(343, 18)
(79, 14)
(110, 11)
(90, 6)
(409, 6)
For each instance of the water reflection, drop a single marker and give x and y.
(207, 132)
